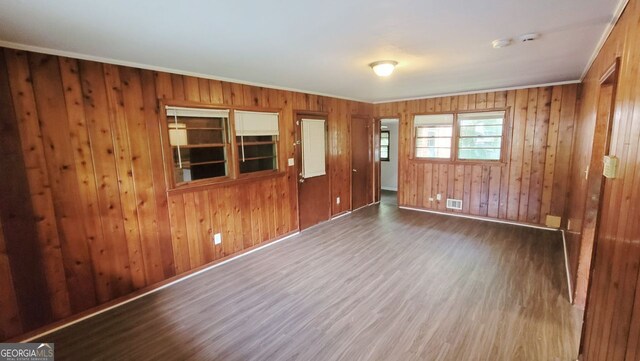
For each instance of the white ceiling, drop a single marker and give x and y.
(324, 46)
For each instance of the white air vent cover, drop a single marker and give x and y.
(454, 203)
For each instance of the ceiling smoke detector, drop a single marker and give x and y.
(529, 37)
(501, 43)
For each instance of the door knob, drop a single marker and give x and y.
(355, 170)
(301, 180)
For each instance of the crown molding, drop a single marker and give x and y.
(622, 4)
(577, 81)
(70, 54)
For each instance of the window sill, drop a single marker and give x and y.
(495, 163)
(224, 182)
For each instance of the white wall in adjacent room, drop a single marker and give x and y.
(389, 170)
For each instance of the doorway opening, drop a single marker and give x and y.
(389, 160)
(597, 245)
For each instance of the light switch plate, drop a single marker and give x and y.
(291, 162)
(217, 238)
(610, 166)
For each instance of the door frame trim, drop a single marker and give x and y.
(371, 162)
(298, 114)
(378, 120)
(610, 76)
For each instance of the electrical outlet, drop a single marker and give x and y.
(439, 197)
(337, 200)
(291, 162)
(430, 199)
(217, 238)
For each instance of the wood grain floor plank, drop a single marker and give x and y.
(379, 284)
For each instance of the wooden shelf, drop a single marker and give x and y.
(190, 164)
(255, 143)
(258, 158)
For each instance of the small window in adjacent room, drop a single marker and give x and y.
(384, 145)
(257, 140)
(433, 135)
(480, 136)
(199, 142)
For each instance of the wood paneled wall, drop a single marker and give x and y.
(85, 214)
(530, 185)
(612, 316)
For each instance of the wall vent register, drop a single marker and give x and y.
(454, 204)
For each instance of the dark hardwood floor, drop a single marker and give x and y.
(388, 197)
(379, 284)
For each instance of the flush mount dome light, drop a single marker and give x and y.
(501, 43)
(383, 67)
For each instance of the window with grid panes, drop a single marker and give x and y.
(433, 135)
(480, 135)
(384, 145)
(199, 143)
(257, 140)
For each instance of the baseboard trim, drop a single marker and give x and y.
(480, 218)
(58, 325)
(365, 206)
(566, 266)
(61, 324)
(528, 225)
(340, 215)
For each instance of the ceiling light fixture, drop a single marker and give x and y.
(383, 67)
(501, 43)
